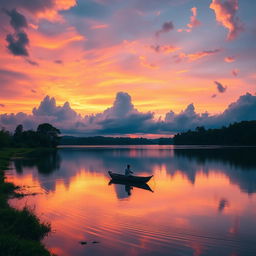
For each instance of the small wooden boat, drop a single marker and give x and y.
(130, 178)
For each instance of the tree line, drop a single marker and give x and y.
(242, 133)
(45, 135)
(101, 140)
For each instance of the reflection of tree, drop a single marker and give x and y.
(48, 162)
(243, 158)
(239, 164)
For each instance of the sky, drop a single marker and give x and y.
(116, 67)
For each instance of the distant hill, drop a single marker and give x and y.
(101, 140)
(242, 133)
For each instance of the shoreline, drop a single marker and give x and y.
(21, 231)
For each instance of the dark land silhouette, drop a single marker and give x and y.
(46, 136)
(101, 140)
(242, 133)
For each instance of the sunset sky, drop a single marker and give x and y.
(127, 67)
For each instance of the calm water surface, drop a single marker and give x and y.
(203, 200)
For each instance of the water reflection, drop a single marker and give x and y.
(204, 200)
(127, 187)
(238, 164)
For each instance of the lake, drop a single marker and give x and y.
(200, 201)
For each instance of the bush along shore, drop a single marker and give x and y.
(21, 231)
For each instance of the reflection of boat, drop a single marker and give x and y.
(130, 178)
(141, 185)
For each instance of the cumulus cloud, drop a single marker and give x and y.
(123, 118)
(220, 87)
(166, 27)
(225, 12)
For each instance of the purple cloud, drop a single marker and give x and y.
(123, 118)
(220, 87)
(166, 27)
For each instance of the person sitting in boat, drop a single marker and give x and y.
(128, 171)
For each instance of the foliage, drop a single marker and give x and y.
(20, 230)
(242, 133)
(46, 135)
(5, 138)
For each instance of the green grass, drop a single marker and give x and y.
(21, 231)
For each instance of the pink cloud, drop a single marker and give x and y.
(229, 59)
(226, 15)
(100, 26)
(194, 22)
(195, 56)
(165, 48)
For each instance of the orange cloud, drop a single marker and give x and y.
(226, 15)
(165, 48)
(58, 41)
(52, 14)
(194, 22)
(145, 63)
(229, 59)
(196, 56)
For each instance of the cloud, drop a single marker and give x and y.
(194, 22)
(18, 21)
(58, 61)
(46, 9)
(48, 108)
(2, 105)
(166, 27)
(18, 41)
(123, 118)
(195, 56)
(17, 44)
(225, 12)
(164, 48)
(144, 62)
(229, 59)
(220, 87)
(31, 62)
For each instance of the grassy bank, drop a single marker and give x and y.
(21, 231)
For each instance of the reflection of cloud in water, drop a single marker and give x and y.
(238, 164)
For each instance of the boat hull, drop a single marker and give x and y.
(130, 178)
